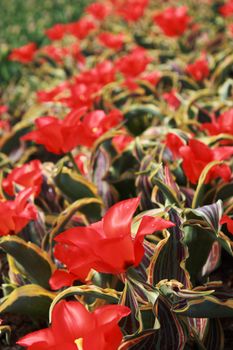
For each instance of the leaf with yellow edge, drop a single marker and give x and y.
(108, 294)
(31, 260)
(76, 187)
(31, 300)
(201, 183)
(66, 215)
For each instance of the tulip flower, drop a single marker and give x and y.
(173, 21)
(134, 63)
(61, 136)
(73, 327)
(106, 246)
(82, 28)
(56, 32)
(120, 142)
(98, 10)
(112, 41)
(227, 9)
(174, 143)
(172, 100)
(199, 70)
(23, 54)
(196, 155)
(16, 214)
(3, 109)
(27, 175)
(227, 220)
(131, 10)
(222, 124)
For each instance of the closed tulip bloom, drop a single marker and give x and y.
(73, 327)
(27, 175)
(106, 246)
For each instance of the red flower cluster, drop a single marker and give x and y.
(77, 128)
(173, 21)
(27, 175)
(23, 54)
(131, 10)
(97, 246)
(16, 214)
(199, 70)
(98, 10)
(74, 327)
(112, 41)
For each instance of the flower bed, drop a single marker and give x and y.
(116, 181)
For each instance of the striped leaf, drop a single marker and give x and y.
(31, 300)
(32, 261)
(170, 255)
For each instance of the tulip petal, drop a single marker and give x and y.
(117, 220)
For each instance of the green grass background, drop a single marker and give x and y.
(22, 21)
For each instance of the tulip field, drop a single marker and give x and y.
(116, 183)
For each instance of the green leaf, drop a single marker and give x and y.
(107, 294)
(32, 261)
(31, 300)
(170, 255)
(76, 187)
(139, 117)
(198, 196)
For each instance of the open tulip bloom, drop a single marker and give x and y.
(106, 246)
(73, 327)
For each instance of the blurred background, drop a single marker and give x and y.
(22, 21)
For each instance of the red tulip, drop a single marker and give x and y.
(57, 32)
(131, 10)
(3, 109)
(152, 77)
(27, 175)
(15, 215)
(81, 160)
(227, 220)
(23, 54)
(196, 155)
(199, 70)
(73, 325)
(222, 124)
(173, 21)
(53, 94)
(98, 10)
(61, 136)
(134, 63)
(112, 41)
(174, 143)
(120, 142)
(106, 246)
(58, 136)
(87, 86)
(82, 28)
(172, 99)
(227, 9)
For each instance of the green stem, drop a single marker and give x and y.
(73, 162)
